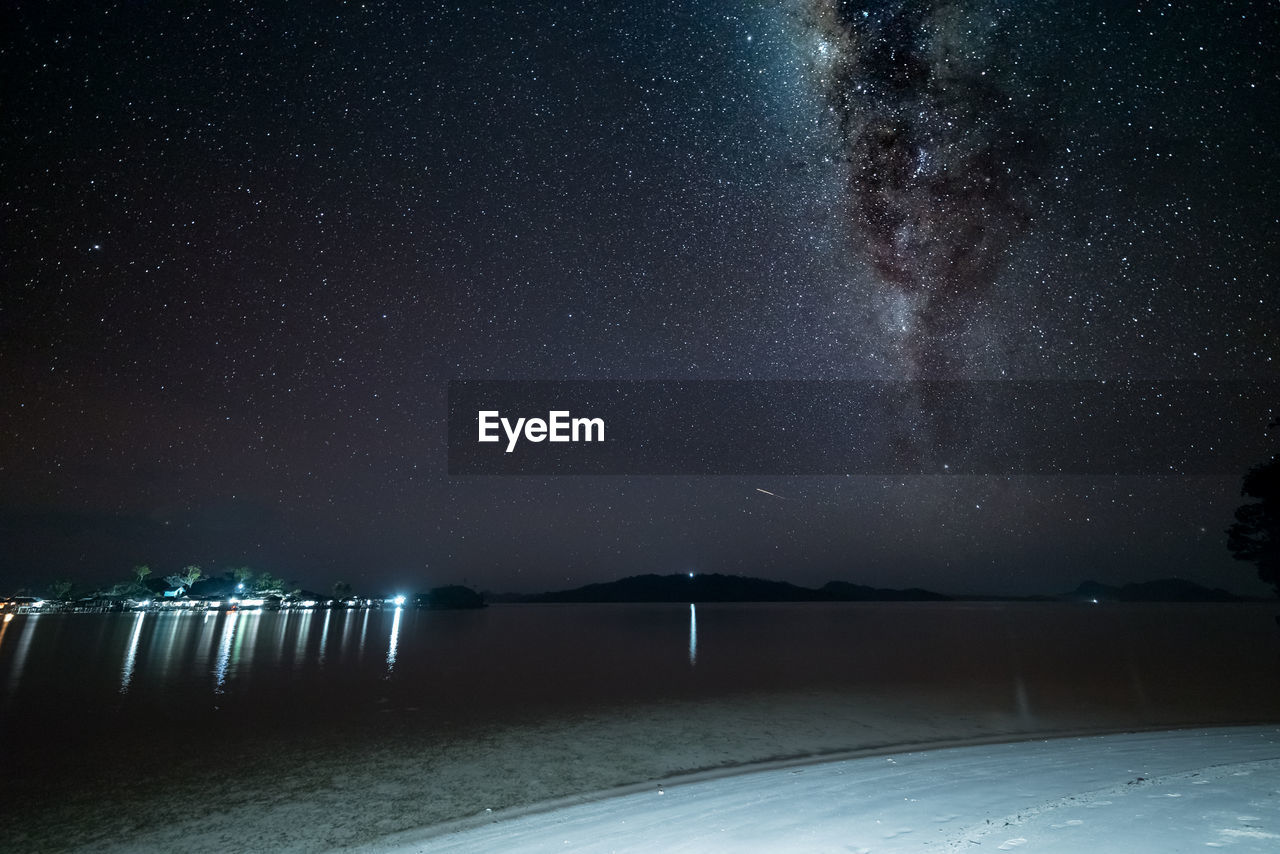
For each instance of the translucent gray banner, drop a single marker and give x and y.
(871, 428)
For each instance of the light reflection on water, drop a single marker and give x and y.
(224, 652)
(245, 645)
(4, 630)
(126, 673)
(394, 642)
(513, 660)
(300, 642)
(693, 634)
(761, 681)
(26, 632)
(324, 636)
(167, 648)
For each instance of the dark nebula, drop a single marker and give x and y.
(940, 151)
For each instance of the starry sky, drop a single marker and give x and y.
(247, 245)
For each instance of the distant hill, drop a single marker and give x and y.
(453, 597)
(843, 591)
(1161, 590)
(713, 587)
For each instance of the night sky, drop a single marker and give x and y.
(246, 246)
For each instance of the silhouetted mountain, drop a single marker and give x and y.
(713, 587)
(843, 591)
(452, 597)
(1161, 590)
(682, 588)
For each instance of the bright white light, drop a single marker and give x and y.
(399, 600)
(691, 575)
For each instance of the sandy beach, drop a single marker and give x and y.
(1157, 792)
(400, 793)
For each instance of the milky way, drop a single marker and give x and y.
(243, 255)
(940, 155)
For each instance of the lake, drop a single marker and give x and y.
(308, 730)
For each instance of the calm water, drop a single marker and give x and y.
(125, 706)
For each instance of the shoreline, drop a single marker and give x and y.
(381, 797)
(424, 835)
(1178, 753)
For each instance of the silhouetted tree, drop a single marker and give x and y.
(452, 597)
(189, 576)
(1255, 536)
(341, 590)
(60, 589)
(141, 571)
(266, 581)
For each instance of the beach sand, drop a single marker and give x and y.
(399, 783)
(1150, 792)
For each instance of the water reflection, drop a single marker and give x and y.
(282, 630)
(300, 641)
(324, 636)
(131, 653)
(4, 628)
(693, 634)
(364, 628)
(348, 619)
(28, 630)
(395, 639)
(224, 652)
(970, 665)
(246, 641)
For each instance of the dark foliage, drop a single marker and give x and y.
(1255, 535)
(452, 597)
